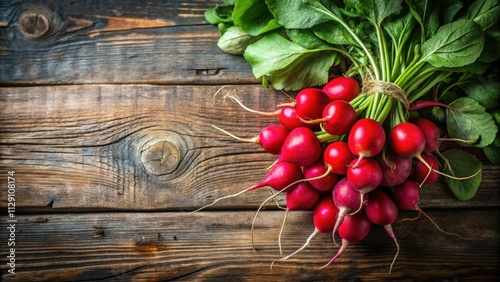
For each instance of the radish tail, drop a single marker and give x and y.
(238, 101)
(340, 218)
(437, 226)
(248, 140)
(360, 204)
(281, 232)
(389, 230)
(357, 162)
(276, 201)
(216, 200)
(445, 160)
(419, 157)
(255, 218)
(219, 90)
(409, 219)
(345, 243)
(315, 232)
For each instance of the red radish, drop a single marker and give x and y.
(338, 156)
(365, 177)
(431, 132)
(347, 199)
(290, 120)
(342, 88)
(353, 229)
(318, 169)
(310, 103)
(395, 169)
(325, 214)
(301, 147)
(421, 173)
(279, 177)
(338, 118)
(271, 138)
(407, 140)
(382, 210)
(407, 195)
(301, 197)
(433, 140)
(324, 217)
(366, 138)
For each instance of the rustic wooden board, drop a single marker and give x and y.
(159, 42)
(105, 114)
(99, 147)
(214, 246)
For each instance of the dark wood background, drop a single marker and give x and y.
(106, 110)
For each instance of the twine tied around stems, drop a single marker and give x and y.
(388, 88)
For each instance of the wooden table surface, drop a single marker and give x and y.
(106, 110)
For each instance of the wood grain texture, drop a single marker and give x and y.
(106, 110)
(160, 42)
(143, 147)
(215, 246)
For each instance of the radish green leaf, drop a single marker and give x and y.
(454, 45)
(466, 119)
(463, 164)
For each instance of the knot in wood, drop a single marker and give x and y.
(33, 25)
(161, 157)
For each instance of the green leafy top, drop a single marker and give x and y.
(445, 50)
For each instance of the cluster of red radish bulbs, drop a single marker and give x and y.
(350, 171)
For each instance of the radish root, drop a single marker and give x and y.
(437, 226)
(344, 245)
(315, 232)
(217, 200)
(409, 219)
(237, 100)
(281, 232)
(419, 157)
(248, 140)
(283, 190)
(389, 230)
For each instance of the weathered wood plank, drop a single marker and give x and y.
(211, 246)
(160, 42)
(100, 146)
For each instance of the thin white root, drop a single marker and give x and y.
(360, 204)
(216, 200)
(219, 90)
(389, 230)
(281, 232)
(315, 232)
(439, 228)
(342, 248)
(248, 140)
(237, 100)
(419, 157)
(446, 161)
(408, 219)
(276, 201)
(255, 218)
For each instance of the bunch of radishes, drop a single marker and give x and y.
(334, 161)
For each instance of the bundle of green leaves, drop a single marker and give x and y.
(445, 52)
